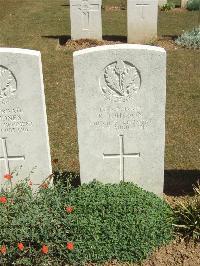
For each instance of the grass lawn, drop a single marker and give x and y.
(42, 24)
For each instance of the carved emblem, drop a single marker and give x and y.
(120, 80)
(85, 5)
(8, 83)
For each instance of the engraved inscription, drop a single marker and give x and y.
(120, 118)
(12, 120)
(120, 80)
(6, 158)
(8, 83)
(121, 155)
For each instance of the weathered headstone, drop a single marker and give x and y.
(184, 3)
(120, 99)
(23, 124)
(142, 16)
(85, 18)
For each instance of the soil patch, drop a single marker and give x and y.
(166, 44)
(113, 8)
(75, 45)
(86, 43)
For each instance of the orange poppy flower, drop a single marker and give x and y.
(8, 176)
(70, 246)
(3, 199)
(45, 249)
(69, 209)
(3, 249)
(20, 246)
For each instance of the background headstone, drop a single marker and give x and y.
(184, 3)
(120, 101)
(142, 17)
(85, 18)
(23, 123)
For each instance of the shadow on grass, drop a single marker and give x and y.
(169, 37)
(67, 5)
(61, 38)
(177, 182)
(64, 38)
(115, 38)
(180, 182)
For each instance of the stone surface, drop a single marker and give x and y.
(24, 142)
(85, 18)
(120, 101)
(184, 3)
(142, 17)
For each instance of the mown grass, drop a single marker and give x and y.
(41, 24)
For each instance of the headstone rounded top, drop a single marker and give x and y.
(118, 47)
(19, 51)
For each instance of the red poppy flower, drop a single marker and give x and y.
(3, 249)
(20, 246)
(70, 246)
(3, 199)
(69, 209)
(8, 176)
(45, 249)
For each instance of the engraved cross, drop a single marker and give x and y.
(7, 158)
(86, 8)
(142, 6)
(121, 156)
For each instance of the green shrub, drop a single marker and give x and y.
(104, 222)
(168, 6)
(120, 222)
(188, 217)
(193, 5)
(190, 39)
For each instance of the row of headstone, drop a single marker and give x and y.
(86, 22)
(120, 114)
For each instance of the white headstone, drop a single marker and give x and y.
(85, 18)
(142, 17)
(120, 99)
(23, 123)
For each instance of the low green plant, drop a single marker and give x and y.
(190, 39)
(193, 5)
(168, 6)
(91, 223)
(188, 217)
(119, 221)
